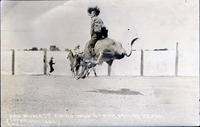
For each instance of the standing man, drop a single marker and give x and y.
(96, 28)
(51, 63)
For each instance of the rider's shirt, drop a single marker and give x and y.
(96, 25)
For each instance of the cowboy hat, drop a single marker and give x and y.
(96, 9)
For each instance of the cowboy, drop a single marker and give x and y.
(96, 28)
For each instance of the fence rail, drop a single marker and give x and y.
(141, 63)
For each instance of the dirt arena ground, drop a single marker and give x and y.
(63, 101)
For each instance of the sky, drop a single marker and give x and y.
(158, 23)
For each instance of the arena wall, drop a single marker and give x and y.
(154, 63)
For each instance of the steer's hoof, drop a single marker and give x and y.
(80, 76)
(77, 78)
(83, 76)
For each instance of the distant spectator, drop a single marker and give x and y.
(51, 63)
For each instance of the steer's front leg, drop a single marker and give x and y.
(99, 58)
(94, 72)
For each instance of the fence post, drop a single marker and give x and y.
(141, 64)
(13, 61)
(176, 62)
(45, 61)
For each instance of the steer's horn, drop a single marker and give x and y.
(131, 46)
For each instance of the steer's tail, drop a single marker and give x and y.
(131, 46)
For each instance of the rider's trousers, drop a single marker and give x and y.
(92, 42)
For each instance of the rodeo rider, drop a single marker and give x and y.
(98, 30)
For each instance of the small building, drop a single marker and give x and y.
(54, 48)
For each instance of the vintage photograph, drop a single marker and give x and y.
(99, 63)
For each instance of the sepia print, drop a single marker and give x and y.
(99, 63)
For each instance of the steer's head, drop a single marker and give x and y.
(119, 51)
(114, 51)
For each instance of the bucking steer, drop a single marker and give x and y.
(106, 50)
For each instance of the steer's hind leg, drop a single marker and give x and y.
(109, 70)
(109, 66)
